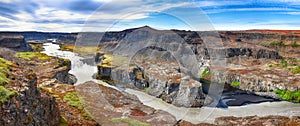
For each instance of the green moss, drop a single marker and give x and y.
(204, 73)
(284, 63)
(289, 65)
(5, 94)
(29, 119)
(275, 43)
(130, 122)
(3, 78)
(32, 55)
(296, 70)
(4, 71)
(292, 96)
(147, 90)
(63, 120)
(5, 63)
(295, 44)
(81, 50)
(87, 114)
(37, 47)
(72, 100)
(66, 47)
(235, 84)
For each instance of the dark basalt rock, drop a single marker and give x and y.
(13, 41)
(30, 107)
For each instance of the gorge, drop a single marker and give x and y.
(155, 84)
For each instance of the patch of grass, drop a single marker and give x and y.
(295, 44)
(67, 47)
(113, 60)
(32, 55)
(87, 114)
(81, 50)
(4, 71)
(235, 84)
(147, 90)
(73, 100)
(6, 94)
(292, 65)
(292, 96)
(275, 43)
(130, 122)
(37, 47)
(204, 73)
(284, 63)
(296, 70)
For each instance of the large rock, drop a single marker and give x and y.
(30, 107)
(106, 104)
(13, 41)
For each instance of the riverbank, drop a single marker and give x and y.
(194, 115)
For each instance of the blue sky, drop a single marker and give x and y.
(102, 15)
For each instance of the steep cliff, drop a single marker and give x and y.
(13, 41)
(29, 105)
(248, 57)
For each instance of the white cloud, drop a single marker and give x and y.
(219, 3)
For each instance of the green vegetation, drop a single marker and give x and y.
(87, 114)
(72, 99)
(4, 70)
(5, 94)
(293, 65)
(37, 47)
(32, 55)
(235, 84)
(293, 96)
(113, 60)
(81, 50)
(295, 70)
(147, 90)
(281, 44)
(295, 44)
(275, 43)
(130, 122)
(63, 121)
(284, 63)
(66, 47)
(204, 73)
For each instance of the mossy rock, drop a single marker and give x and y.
(32, 55)
(6, 94)
(73, 100)
(292, 96)
(4, 71)
(235, 84)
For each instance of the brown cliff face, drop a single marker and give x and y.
(30, 106)
(13, 41)
(252, 58)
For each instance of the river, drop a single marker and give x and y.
(84, 72)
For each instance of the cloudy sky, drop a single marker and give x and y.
(102, 15)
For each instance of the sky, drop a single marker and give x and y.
(116, 15)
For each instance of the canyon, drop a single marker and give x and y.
(183, 68)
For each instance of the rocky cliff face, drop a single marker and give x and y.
(248, 55)
(30, 106)
(13, 41)
(109, 106)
